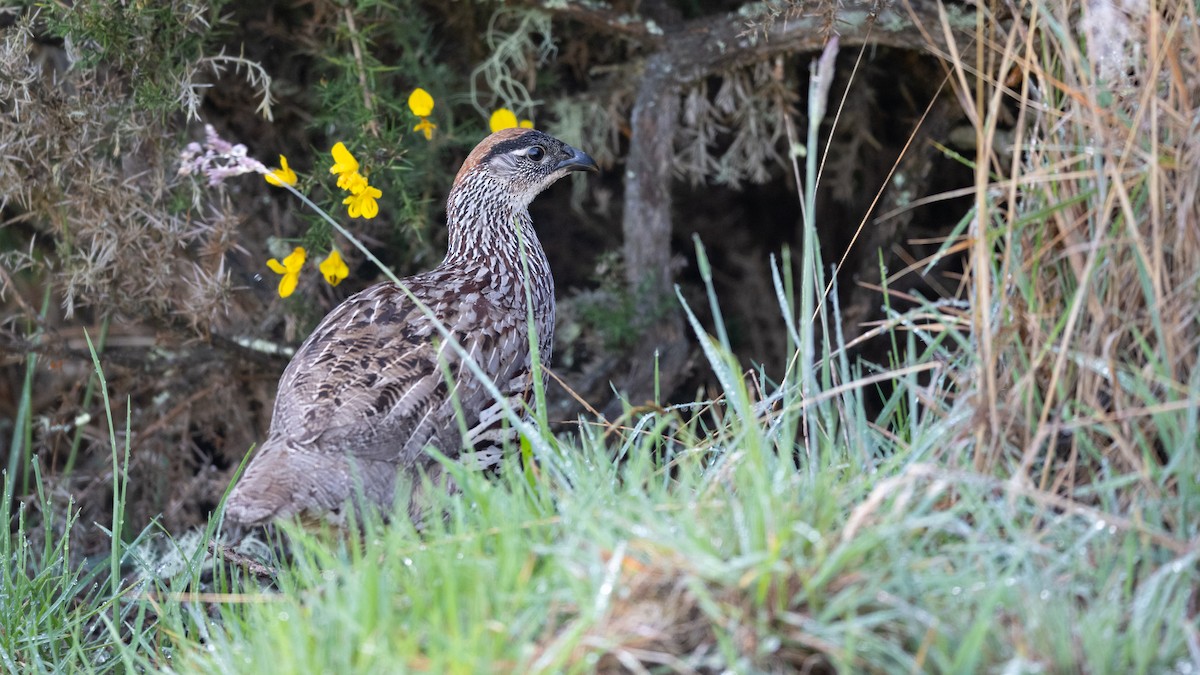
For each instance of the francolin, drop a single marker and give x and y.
(368, 390)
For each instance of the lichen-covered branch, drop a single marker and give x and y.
(605, 18)
(647, 217)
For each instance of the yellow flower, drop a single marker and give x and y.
(278, 177)
(503, 118)
(363, 203)
(362, 196)
(426, 126)
(353, 183)
(334, 268)
(420, 103)
(290, 269)
(344, 163)
(526, 124)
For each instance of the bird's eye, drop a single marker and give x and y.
(537, 153)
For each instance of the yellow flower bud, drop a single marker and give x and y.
(281, 176)
(503, 118)
(290, 269)
(344, 162)
(420, 102)
(427, 127)
(363, 203)
(334, 268)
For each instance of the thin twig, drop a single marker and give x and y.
(368, 102)
(247, 563)
(209, 598)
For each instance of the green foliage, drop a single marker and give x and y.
(366, 75)
(620, 316)
(47, 597)
(41, 585)
(156, 46)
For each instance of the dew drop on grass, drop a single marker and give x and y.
(1044, 595)
(408, 562)
(284, 616)
(1100, 525)
(956, 590)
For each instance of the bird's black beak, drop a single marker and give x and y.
(577, 161)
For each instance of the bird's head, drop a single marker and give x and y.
(520, 163)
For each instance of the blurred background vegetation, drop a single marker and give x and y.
(1008, 201)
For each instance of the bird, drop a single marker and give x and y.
(376, 382)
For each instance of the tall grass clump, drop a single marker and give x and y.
(55, 611)
(1085, 243)
(38, 616)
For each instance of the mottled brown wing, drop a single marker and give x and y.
(365, 394)
(367, 381)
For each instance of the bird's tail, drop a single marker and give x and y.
(285, 481)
